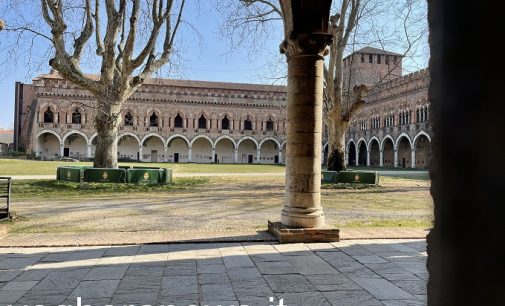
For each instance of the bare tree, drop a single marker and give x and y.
(126, 35)
(247, 22)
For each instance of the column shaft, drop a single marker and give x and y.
(302, 206)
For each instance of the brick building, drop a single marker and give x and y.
(204, 122)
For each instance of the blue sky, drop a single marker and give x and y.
(202, 57)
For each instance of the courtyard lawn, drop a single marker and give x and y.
(213, 205)
(36, 167)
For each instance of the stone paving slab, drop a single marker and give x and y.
(128, 238)
(232, 273)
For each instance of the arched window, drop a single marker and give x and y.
(418, 118)
(128, 119)
(48, 116)
(270, 125)
(76, 117)
(426, 113)
(225, 123)
(202, 122)
(153, 120)
(178, 121)
(247, 125)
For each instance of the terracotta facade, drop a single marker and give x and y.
(204, 122)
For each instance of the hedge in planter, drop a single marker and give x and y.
(358, 177)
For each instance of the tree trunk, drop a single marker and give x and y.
(336, 143)
(107, 122)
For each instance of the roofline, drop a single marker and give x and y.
(190, 83)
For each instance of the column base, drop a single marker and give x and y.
(303, 235)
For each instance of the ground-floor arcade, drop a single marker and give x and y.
(176, 148)
(402, 152)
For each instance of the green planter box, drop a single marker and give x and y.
(358, 177)
(168, 176)
(145, 176)
(69, 174)
(104, 175)
(329, 176)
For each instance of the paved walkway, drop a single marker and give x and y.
(124, 238)
(363, 272)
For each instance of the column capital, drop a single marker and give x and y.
(306, 44)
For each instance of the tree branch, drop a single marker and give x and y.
(98, 38)
(85, 33)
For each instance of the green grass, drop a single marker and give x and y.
(36, 167)
(359, 168)
(52, 189)
(386, 223)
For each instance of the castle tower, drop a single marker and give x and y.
(370, 65)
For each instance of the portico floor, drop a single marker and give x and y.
(350, 272)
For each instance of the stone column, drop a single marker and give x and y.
(413, 158)
(166, 157)
(280, 156)
(62, 149)
(368, 158)
(235, 157)
(381, 158)
(304, 52)
(395, 163)
(88, 151)
(213, 155)
(189, 154)
(258, 155)
(141, 152)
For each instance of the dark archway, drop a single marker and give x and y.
(388, 153)
(76, 117)
(404, 153)
(270, 125)
(362, 154)
(202, 122)
(374, 153)
(225, 123)
(128, 119)
(178, 121)
(247, 125)
(48, 116)
(153, 120)
(325, 155)
(352, 154)
(423, 152)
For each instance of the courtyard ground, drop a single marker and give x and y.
(221, 204)
(195, 208)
